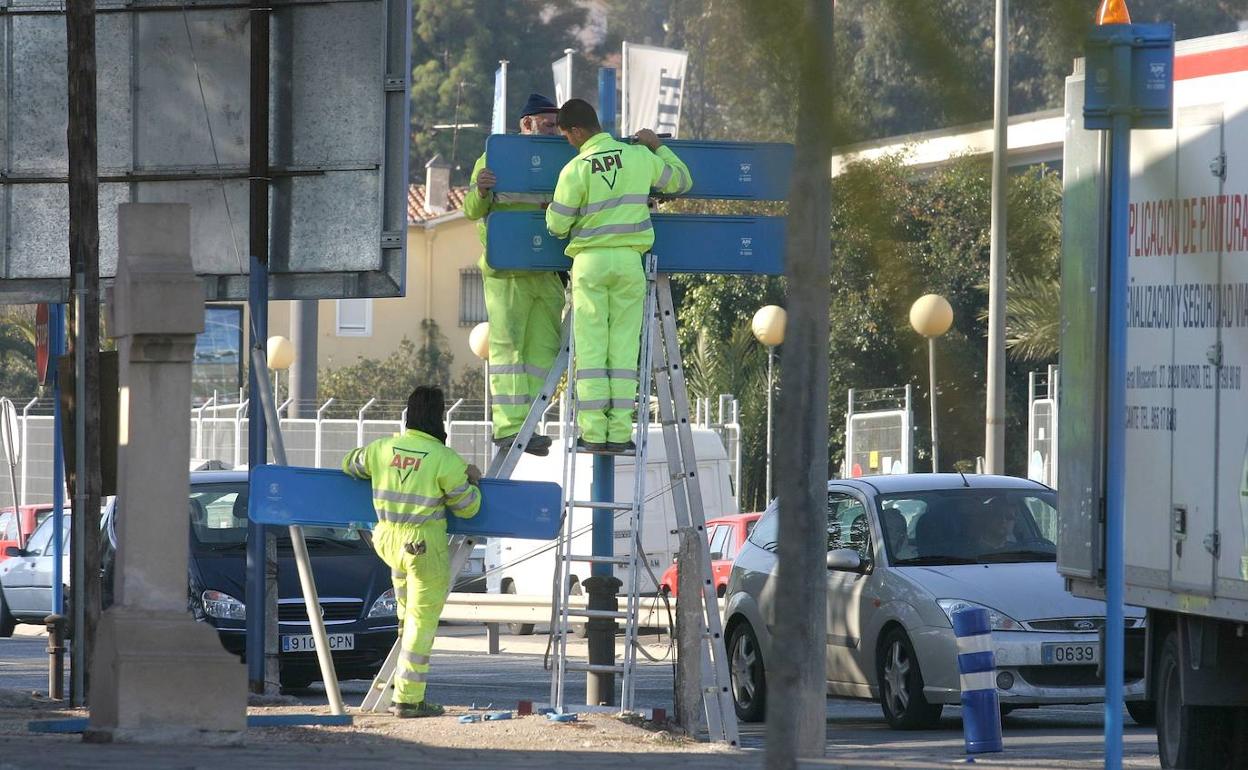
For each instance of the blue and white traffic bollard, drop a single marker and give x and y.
(981, 712)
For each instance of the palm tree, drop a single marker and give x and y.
(1033, 318)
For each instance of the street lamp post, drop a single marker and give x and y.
(931, 316)
(281, 354)
(768, 327)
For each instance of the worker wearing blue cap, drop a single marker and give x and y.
(524, 307)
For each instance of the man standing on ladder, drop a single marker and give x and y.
(524, 307)
(416, 479)
(602, 202)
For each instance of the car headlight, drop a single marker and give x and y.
(998, 620)
(223, 606)
(385, 606)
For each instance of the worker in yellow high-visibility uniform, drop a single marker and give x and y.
(524, 307)
(416, 480)
(602, 202)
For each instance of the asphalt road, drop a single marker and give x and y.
(462, 674)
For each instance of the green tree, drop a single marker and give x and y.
(456, 46)
(391, 380)
(18, 380)
(902, 65)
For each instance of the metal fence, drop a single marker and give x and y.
(219, 432)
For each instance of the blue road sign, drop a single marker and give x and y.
(1147, 93)
(734, 170)
(684, 243)
(327, 497)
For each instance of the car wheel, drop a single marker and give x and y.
(901, 685)
(1144, 712)
(1188, 736)
(520, 629)
(7, 621)
(747, 675)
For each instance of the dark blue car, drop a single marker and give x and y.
(353, 584)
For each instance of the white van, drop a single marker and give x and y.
(528, 566)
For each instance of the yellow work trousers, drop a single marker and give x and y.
(421, 582)
(524, 311)
(608, 294)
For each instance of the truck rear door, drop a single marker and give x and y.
(1190, 422)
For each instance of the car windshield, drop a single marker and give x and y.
(969, 526)
(219, 522)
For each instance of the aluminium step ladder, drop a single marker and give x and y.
(381, 691)
(665, 373)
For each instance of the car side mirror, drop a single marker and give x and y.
(13, 550)
(845, 560)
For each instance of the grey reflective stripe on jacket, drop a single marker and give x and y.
(617, 229)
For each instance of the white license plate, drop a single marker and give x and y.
(307, 642)
(1064, 654)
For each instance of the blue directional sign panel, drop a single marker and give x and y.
(720, 170)
(327, 497)
(684, 243)
(1150, 77)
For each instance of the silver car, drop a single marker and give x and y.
(904, 553)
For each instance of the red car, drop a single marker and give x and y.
(16, 529)
(726, 534)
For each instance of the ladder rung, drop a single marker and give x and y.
(599, 559)
(580, 451)
(593, 668)
(603, 506)
(608, 614)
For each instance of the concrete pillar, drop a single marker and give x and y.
(158, 675)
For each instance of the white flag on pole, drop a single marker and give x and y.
(499, 124)
(562, 70)
(654, 81)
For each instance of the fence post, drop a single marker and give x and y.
(359, 424)
(238, 434)
(320, 416)
(199, 424)
(736, 420)
(25, 447)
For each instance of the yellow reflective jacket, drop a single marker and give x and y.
(477, 208)
(416, 480)
(602, 195)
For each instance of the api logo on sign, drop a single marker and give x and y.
(537, 243)
(745, 174)
(536, 162)
(747, 247)
(1157, 77)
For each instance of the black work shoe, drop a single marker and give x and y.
(538, 445)
(593, 447)
(621, 447)
(417, 710)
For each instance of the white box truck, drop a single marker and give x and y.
(528, 566)
(1186, 421)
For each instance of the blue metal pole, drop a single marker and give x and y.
(602, 490)
(56, 344)
(258, 305)
(1115, 461)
